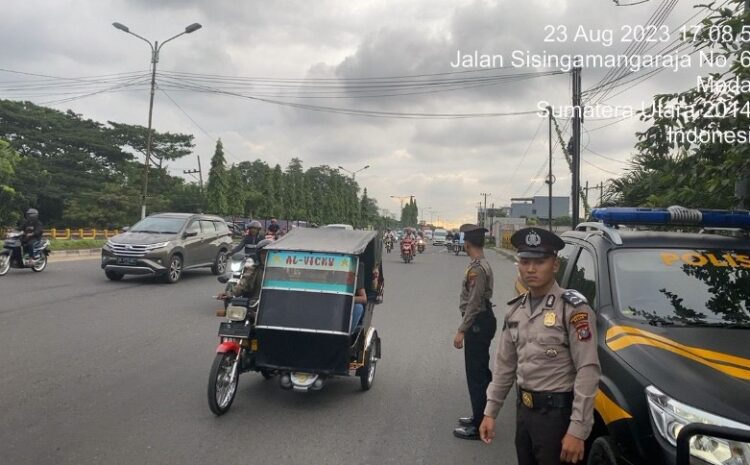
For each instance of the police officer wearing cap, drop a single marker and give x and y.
(476, 330)
(548, 349)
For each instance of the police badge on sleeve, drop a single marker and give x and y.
(580, 321)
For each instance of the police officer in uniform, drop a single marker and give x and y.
(548, 349)
(476, 330)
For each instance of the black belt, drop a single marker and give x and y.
(537, 400)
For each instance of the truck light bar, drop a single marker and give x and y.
(673, 216)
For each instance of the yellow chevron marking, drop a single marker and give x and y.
(703, 353)
(608, 409)
(669, 345)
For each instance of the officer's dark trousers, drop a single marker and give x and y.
(539, 434)
(477, 341)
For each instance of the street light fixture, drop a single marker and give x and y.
(155, 48)
(354, 173)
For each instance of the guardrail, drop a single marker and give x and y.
(80, 233)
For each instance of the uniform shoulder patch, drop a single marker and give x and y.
(578, 318)
(516, 298)
(574, 297)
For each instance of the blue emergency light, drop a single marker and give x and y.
(673, 216)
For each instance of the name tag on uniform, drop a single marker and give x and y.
(513, 329)
(549, 319)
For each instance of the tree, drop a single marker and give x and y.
(368, 211)
(236, 192)
(410, 214)
(9, 210)
(165, 146)
(276, 206)
(294, 194)
(668, 170)
(216, 192)
(62, 156)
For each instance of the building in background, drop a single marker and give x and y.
(538, 207)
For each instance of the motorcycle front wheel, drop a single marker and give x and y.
(40, 265)
(4, 264)
(222, 386)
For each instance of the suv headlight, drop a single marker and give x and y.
(236, 313)
(160, 245)
(670, 416)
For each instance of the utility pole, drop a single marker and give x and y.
(485, 194)
(599, 187)
(550, 178)
(199, 172)
(576, 152)
(585, 213)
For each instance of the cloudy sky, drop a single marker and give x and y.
(445, 163)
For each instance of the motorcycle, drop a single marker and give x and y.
(239, 264)
(388, 245)
(420, 245)
(407, 250)
(13, 255)
(457, 247)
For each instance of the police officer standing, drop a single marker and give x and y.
(476, 330)
(548, 348)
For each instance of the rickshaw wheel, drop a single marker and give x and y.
(221, 388)
(367, 372)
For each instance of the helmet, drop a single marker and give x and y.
(254, 224)
(32, 213)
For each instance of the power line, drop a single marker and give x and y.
(605, 157)
(599, 168)
(609, 124)
(214, 139)
(613, 72)
(89, 94)
(368, 113)
(346, 93)
(523, 156)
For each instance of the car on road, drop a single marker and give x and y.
(166, 244)
(438, 237)
(673, 318)
(428, 234)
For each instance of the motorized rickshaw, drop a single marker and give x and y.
(300, 329)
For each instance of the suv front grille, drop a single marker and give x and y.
(128, 250)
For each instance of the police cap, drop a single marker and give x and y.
(472, 232)
(536, 243)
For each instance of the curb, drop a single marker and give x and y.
(510, 255)
(73, 254)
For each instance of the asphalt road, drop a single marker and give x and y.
(98, 372)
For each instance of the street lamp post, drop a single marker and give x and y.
(354, 173)
(155, 49)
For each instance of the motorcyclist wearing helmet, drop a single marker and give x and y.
(274, 227)
(252, 237)
(32, 231)
(250, 284)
